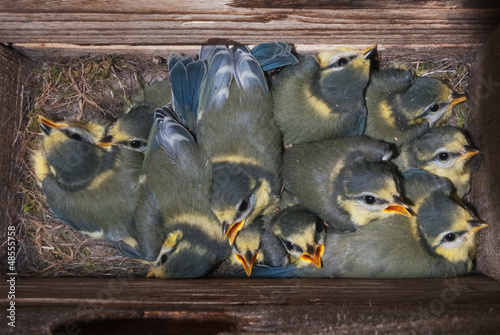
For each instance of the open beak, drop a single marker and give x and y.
(369, 52)
(151, 273)
(468, 152)
(247, 263)
(231, 230)
(398, 207)
(316, 257)
(457, 99)
(477, 225)
(47, 125)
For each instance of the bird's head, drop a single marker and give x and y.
(237, 198)
(71, 151)
(371, 191)
(448, 228)
(427, 100)
(302, 234)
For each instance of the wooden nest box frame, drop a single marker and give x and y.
(34, 30)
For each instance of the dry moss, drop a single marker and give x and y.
(101, 87)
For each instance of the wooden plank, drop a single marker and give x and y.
(484, 123)
(181, 22)
(14, 70)
(465, 305)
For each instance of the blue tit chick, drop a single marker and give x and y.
(444, 151)
(322, 96)
(293, 235)
(402, 106)
(238, 132)
(89, 184)
(247, 246)
(176, 228)
(439, 242)
(347, 182)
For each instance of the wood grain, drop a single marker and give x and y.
(14, 70)
(182, 22)
(466, 305)
(484, 124)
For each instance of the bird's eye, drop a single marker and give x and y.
(443, 156)
(319, 226)
(136, 144)
(163, 259)
(434, 108)
(450, 237)
(342, 61)
(288, 245)
(76, 136)
(243, 205)
(369, 199)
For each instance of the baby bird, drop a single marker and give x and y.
(440, 241)
(444, 151)
(237, 130)
(322, 96)
(247, 246)
(90, 184)
(293, 236)
(402, 106)
(347, 182)
(175, 226)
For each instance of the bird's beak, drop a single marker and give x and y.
(231, 230)
(398, 207)
(315, 258)
(457, 99)
(106, 142)
(468, 152)
(247, 263)
(151, 273)
(477, 225)
(47, 125)
(369, 52)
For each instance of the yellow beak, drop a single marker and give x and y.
(368, 52)
(458, 100)
(47, 124)
(316, 258)
(151, 273)
(398, 207)
(247, 264)
(468, 153)
(232, 231)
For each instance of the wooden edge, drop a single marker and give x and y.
(484, 122)
(14, 71)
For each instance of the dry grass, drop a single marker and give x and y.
(100, 87)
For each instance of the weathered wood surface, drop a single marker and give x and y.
(157, 22)
(14, 70)
(464, 305)
(484, 124)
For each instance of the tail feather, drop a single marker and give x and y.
(274, 55)
(169, 133)
(215, 87)
(247, 72)
(186, 76)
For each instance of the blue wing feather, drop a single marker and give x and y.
(215, 86)
(169, 133)
(274, 55)
(247, 72)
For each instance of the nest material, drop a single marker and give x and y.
(101, 87)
